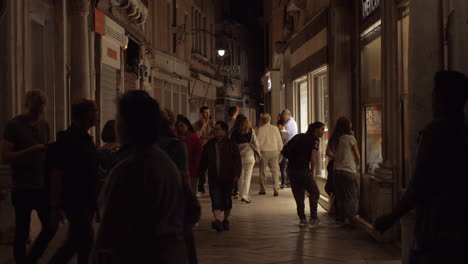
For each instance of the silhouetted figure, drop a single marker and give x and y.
(222, 160)
(74, 183)
(142, 202)
(108, 152)
(301, 151)
(438, 187)
(204, 129)
(244, 136)
(233, 111)
(282, 160)
(24, 148)
(343, 148)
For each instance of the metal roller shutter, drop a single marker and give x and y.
(109, 77)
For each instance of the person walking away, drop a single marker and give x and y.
(271, 144)
(24, 148)
(186, 134)
(74, 183)
(301, 152)
(346, 159)
(290, 123)
(233, 111)
(143, 200)
(221, 158)
(244, 136)
(437, 189)
(204, 129)
(282, 160)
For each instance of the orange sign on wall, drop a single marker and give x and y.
(111, 53)
(99, 22)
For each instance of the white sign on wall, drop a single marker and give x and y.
(233, 70)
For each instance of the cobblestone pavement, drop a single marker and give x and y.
(266, 231)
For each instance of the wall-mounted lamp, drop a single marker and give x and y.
(221, 52)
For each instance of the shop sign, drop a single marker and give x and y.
(233, 70)
(368, 7)
(110, 53)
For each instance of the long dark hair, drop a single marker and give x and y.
(238, 124)
(183, 119)
(342, 127)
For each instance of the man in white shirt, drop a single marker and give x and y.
(271, 144)
(291, 125)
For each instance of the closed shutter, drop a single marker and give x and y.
(109, 77)
(130, 81)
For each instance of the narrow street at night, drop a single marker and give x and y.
(266, 231)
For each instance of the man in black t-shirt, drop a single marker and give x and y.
(74, 183)
(301, 152)
(23, 148)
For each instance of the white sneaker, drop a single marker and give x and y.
(303, 223)
(199, 194)
(314, 223)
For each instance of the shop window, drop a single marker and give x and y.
(322, 114)
(303, 107)
(371, 92)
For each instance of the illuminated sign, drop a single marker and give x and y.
(111, 53)
(269, 83)
(369, 6)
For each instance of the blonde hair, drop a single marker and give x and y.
(34, 98)
(266, 118)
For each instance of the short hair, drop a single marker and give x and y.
(141, 116)
(203, 108)
(451, 90)
(223, 125)
(285, 112)
(108, 132)
(314, 126)
(167, 118)
(34, 98)
(266, 118)
(232, 111)
(80, 109)
(281, 122)
(183, 119)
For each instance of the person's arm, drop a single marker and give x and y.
(313, 161)
(357, 156)
(9, 156)
(329, 152)
(279, 140)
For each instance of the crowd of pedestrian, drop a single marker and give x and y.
(142, 183)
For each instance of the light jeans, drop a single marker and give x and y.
(270, 159)
(248, 163)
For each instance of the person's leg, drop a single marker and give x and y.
(217, 215)
(339, 196)
(194, 184)
(283, 172)
(201, 183)
(275, 170)
(22, 225)
(263, 165)
(48, 231)
(248, 177)
(350, 195)
(68, 248)
(298, 190)
(242, 178)
(314, 194)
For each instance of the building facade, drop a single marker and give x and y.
(374, 65)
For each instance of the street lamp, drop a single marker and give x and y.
(221, 52)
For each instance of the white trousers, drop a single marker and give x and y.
(248, 164)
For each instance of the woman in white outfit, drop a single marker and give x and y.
(244, 136)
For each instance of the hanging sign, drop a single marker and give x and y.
(368, 7)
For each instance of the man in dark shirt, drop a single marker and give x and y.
(24, 148)
(74, 183)
(438, 187)
(301, 151)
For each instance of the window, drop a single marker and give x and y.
(322, 114)
(371, 90)
(303, 107)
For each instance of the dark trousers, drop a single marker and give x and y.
(24, 201)
(346, 194)
(302, 180)
(190, 245)
(283, 167)
(80, 236)
(201, 183)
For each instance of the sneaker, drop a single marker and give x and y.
(226, 225)
(303, 223)
(276, 193)
(261, 193)
(282, 186)
(199, 194)
(217, 225)
(314, 223)
(236, 196)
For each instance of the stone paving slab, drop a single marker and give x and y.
(266, 232)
